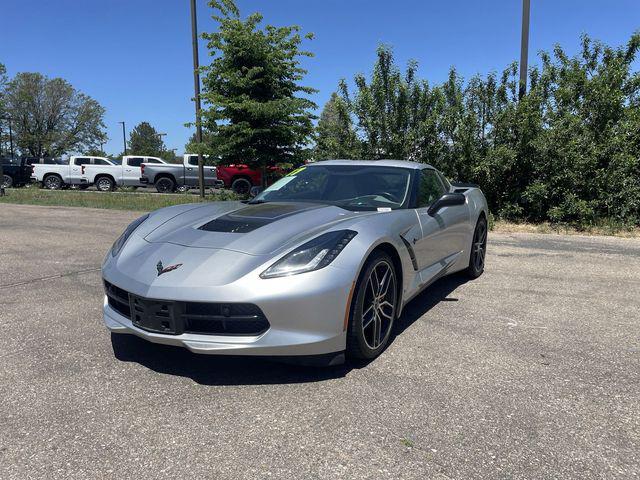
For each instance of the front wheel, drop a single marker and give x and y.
(478, 249)
(7, 181)
(373, 309)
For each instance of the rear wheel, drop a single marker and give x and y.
(7, 181)
(52, 182)
(478, 249)
(165, 185)
(241, 186)
(373, 309)
(105, 184)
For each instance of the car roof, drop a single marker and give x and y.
(378, 163)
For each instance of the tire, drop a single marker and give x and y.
(478, 249)
(241, 186)
(104, 184)
(165, 185)
(373, 309)
(52, 182)
(7, 181)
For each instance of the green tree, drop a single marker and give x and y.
(336, 136)
(254, 109)
(50, 117)
(568, 151)
(145, 140)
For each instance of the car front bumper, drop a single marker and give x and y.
(306, 315)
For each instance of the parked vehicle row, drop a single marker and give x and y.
(171, 177)
(83, 171)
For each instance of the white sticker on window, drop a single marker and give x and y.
(384, 209)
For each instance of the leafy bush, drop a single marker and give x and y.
(567, 152)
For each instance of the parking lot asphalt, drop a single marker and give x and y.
(531, 371)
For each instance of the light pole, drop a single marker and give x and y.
(196, 88)
(124, 138)
(524, 47)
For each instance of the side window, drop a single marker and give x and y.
(193, 160)
(135, 162)
(98, 161)
(430, 188)
(83, 161)
(445, 182)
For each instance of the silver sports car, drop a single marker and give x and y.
(319, 264)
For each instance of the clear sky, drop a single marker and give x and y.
(134, 56)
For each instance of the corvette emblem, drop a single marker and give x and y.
(162, 269)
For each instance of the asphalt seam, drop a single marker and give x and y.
(49, 277)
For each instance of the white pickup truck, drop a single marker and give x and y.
(83, 171)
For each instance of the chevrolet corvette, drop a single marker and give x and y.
(317, 266)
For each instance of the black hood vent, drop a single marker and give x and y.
(255, 216)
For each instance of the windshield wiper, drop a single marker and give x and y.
(254, 202)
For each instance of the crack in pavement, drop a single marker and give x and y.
(49, 277)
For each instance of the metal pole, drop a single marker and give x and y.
(196, 88)
(524, 47)
(124, 138)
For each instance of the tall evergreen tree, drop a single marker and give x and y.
(144, 140)
(336, 135)
(255, 108)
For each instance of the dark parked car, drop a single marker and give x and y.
(15, 173)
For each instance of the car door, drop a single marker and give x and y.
(131, 171)
(443, 233)
(76, 172)
(191, 171)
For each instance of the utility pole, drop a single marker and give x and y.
(524, 48)
(124, 138)
(196, 88)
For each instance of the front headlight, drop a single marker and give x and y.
(122, 239)
(313, 255)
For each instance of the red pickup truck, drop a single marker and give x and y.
(240, 178)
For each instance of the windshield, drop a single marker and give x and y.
(353, 187)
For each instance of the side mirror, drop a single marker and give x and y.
(446, 200)
(255, 191)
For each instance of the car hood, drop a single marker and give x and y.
(258, 229)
